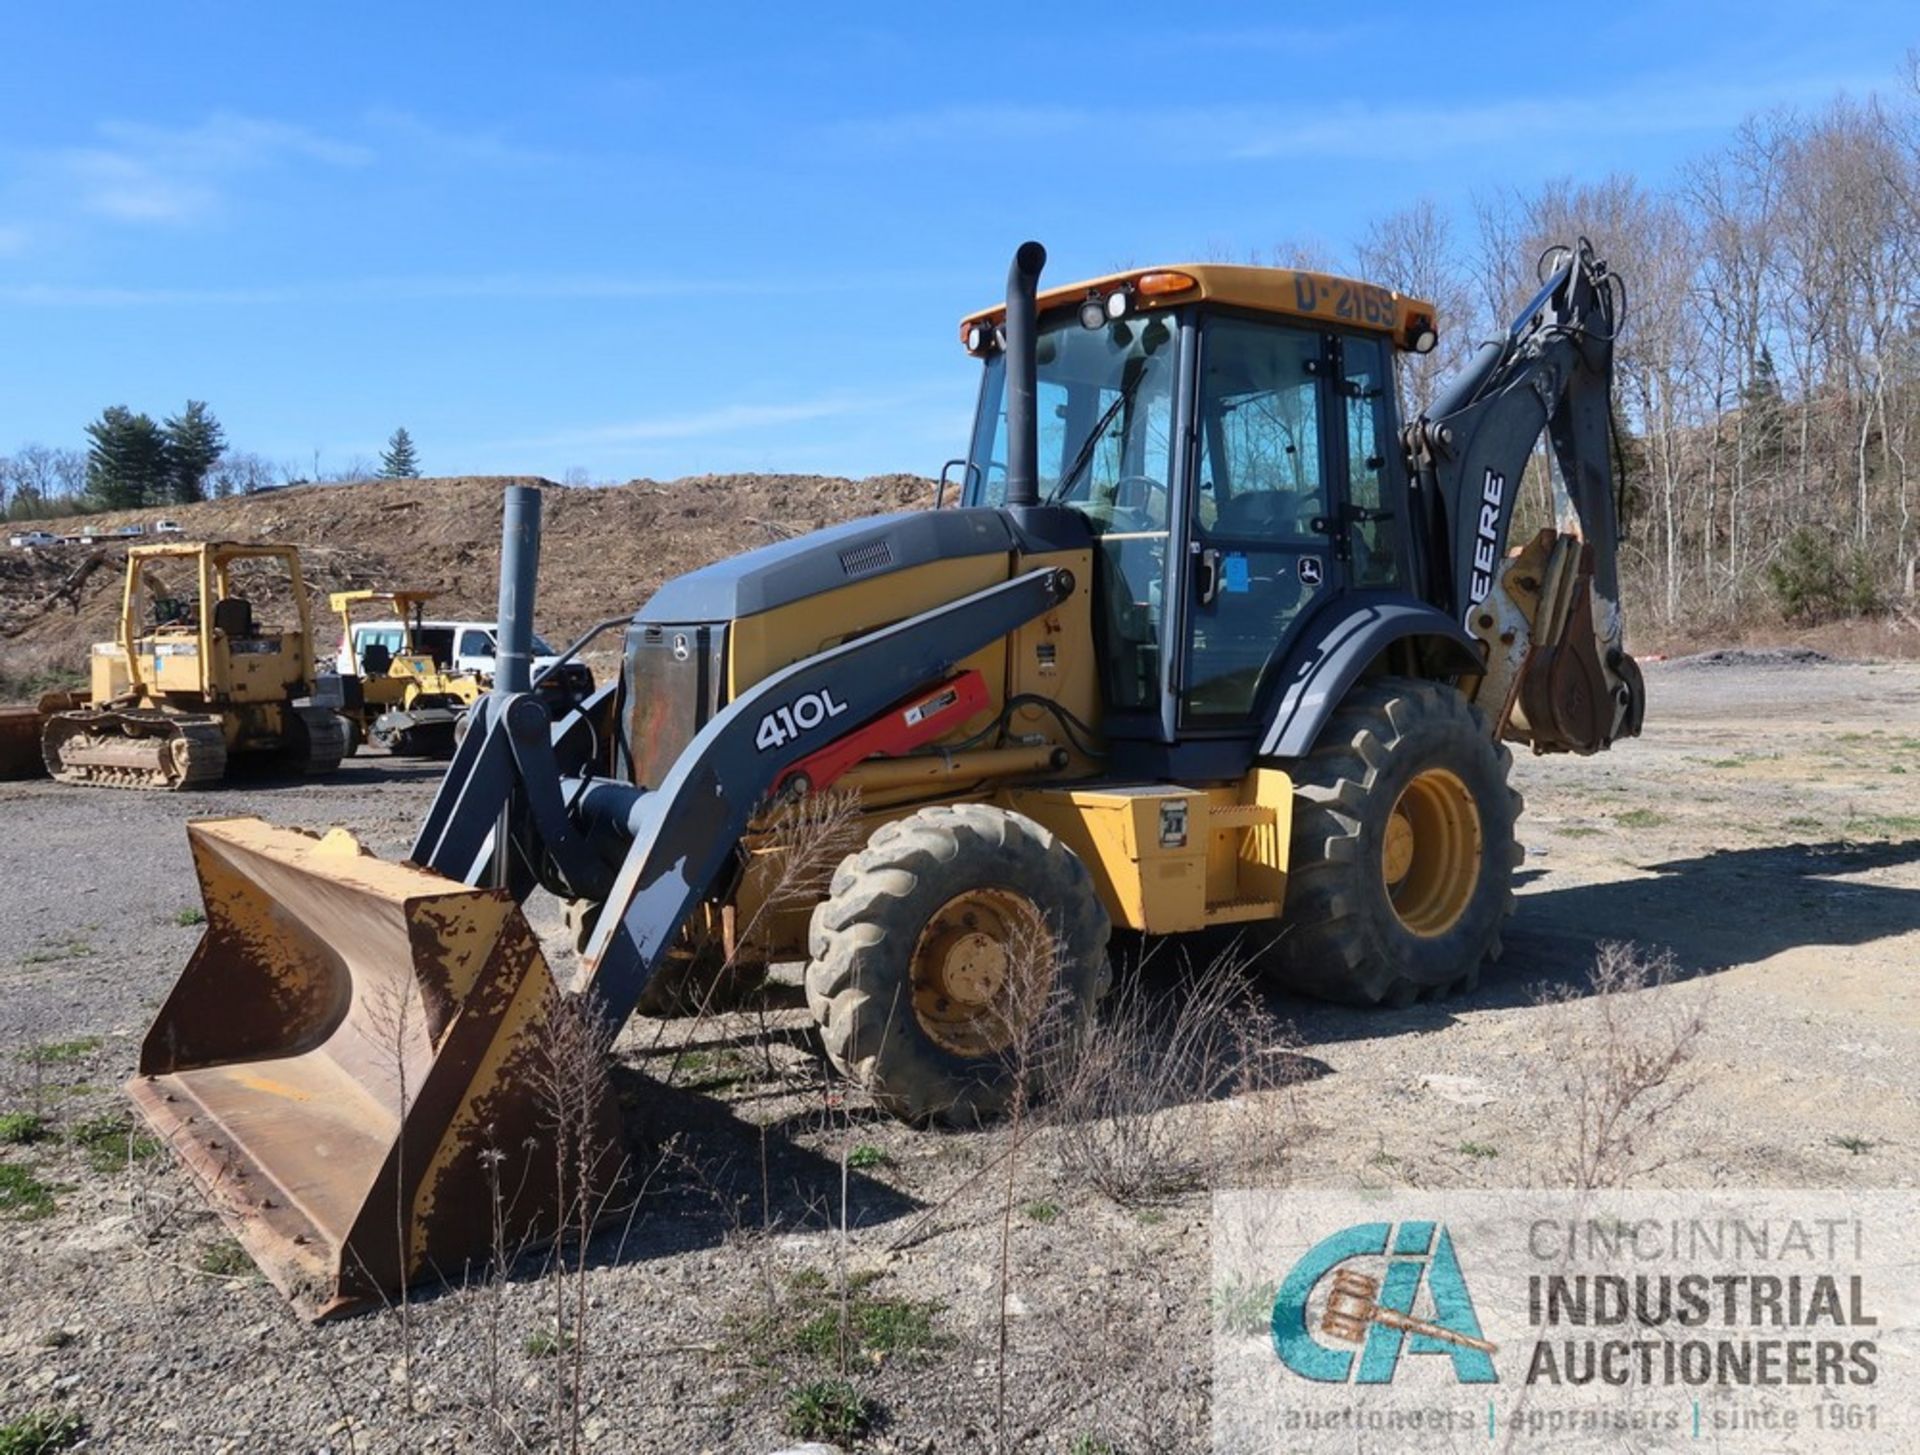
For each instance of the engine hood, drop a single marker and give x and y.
(793, 570)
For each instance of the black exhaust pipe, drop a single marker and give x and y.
(1023, 416)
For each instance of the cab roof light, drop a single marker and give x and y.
(1093, 310)
(1158, 285)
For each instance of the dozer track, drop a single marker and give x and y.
(134, 748)
(317, 741)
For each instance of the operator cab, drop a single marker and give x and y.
(1291, 489)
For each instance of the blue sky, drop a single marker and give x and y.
(662, 240)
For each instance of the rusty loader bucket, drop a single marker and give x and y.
(353, 1065)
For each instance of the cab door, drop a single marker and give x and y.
(1369, 532)
(1259, 552)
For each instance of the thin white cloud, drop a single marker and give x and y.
(139, 174)
(1401, 131)
(730, 419)
(992, 122)
(490, 148)
(421, 289)
(227, 142)
(123, 189)
(1361, 131)
(135, 173)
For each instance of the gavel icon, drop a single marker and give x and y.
(1354, 1303)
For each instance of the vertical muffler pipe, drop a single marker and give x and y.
(513, 646)
(1023, 416)
(519, 569)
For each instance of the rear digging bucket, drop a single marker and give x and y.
(358, 1065)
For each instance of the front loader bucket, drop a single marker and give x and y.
(353, 1065)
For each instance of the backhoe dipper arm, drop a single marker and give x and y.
(1557, 674)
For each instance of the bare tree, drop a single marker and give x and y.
(1412, 251)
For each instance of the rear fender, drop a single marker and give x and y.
(1331, 656)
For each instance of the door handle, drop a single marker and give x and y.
(1208, 578)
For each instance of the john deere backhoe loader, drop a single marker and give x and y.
(193, 680)
(1208, 640)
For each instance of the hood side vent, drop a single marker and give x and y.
(859, 560)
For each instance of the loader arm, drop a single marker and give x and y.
(679, 834)
(687, 828)
(1558, 675)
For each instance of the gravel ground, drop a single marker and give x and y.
(1764, 835)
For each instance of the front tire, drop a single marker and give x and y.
(938, 949)
(1401, 871)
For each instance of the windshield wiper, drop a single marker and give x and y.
(1094, 436)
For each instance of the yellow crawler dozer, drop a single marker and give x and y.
(193, 680)
(1209, 638)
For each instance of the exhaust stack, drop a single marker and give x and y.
(1023, 417)
(519, 568)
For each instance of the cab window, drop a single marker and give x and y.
(1366, 389)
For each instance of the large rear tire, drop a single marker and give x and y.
(1401, 871)
(939, 948)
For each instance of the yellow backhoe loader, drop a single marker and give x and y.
(1209, 639)
(193, 680)
(406, 701)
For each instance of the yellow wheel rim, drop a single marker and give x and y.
(974, 969)
(1430, 852)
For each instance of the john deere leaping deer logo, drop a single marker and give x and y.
(1376, 1313)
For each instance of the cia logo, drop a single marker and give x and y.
(1310, 572)
(681, 651)
(1375, 1308)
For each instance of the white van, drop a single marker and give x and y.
(457, 646)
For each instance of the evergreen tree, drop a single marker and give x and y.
(1765, 406)
(398, 461)
(195, 443)
(127, 463)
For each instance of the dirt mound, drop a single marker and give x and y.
(604, 550)
(1755, 657)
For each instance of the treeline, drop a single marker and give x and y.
(1768, 377)
(133, 462)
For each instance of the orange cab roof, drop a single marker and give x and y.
(1293, 292)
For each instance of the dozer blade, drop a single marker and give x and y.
(353, 1062)
(20, 743)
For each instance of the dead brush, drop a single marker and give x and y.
(1178, 1088)
(570, 1079)
(1622, 1064)
(805, 843)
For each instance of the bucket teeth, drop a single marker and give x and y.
(353, 1040)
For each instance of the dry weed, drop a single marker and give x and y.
(1621, 1067)
(1175, 1089)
